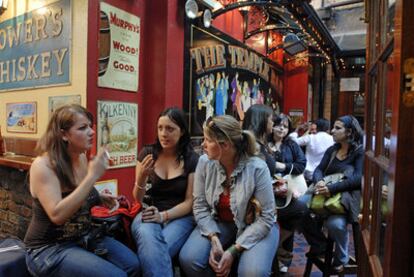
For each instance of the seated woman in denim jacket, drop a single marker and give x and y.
(62, 186)
(226, 178)
(169, 164)
(345, 156)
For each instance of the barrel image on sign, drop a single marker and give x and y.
(104, 43)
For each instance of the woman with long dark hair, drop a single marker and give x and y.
(346, 156)
(62, 186)
(259, 119)
(168, 166)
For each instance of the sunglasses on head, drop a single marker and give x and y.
(216, 129)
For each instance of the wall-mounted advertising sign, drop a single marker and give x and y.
(35, 48)
(117, 129)
(118, 49)
(226, 77)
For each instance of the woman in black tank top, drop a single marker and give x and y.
(164, 174)
(62, 186)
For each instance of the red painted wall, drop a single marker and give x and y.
(295, 94)
(230, 23)
(161, 66)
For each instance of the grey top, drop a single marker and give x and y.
(250, 177)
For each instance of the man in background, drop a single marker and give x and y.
(315, 143)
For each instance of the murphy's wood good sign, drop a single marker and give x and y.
(119, 38)
(35, 48)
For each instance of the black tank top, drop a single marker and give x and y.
(42, 231)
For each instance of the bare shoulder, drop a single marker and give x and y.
(40, 163)
(41, 170)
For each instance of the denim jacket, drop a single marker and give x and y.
(250, 177)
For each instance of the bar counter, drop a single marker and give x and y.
(16, 161)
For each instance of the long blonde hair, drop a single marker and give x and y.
(227, 128)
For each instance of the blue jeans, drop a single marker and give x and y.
(69, 259)
(257, 261)
(337, 230)
(158, 243)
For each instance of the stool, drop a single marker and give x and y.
(326, 265)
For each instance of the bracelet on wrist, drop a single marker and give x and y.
(166, 215)
(234, 251)
(161, 218)
(138, 186)
(210, 236)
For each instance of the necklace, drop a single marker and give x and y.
(342, 156)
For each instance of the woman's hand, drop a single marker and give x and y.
(216, 253)
(98, 165)
(322, 188)
(108, 200)
(224, 266)
(280, 166)
(151, 214)
(280, 188)
(147, 165)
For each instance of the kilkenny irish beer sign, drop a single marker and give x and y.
(117, 130)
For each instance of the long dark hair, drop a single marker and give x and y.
(56, 148)
(255, 120)
(356, 133)
(184, 148)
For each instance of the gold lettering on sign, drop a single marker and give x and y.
(208, 57)
(212, 57)
(245, 59)
(26, 66)
(38, 27)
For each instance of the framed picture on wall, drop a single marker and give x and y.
(59, 101)
(21, 117)
(108, 187)
(297, 117)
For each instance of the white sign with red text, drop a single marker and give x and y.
(124, 36)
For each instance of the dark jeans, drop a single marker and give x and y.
(68, 259)
(289, 219)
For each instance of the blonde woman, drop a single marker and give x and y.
(226, 178)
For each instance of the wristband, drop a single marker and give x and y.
(233, 251)
(161, 218)
(166, 215)
(140, 187)
(210, 236)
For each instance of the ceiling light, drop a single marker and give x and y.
(191, 9)
(207, 18)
